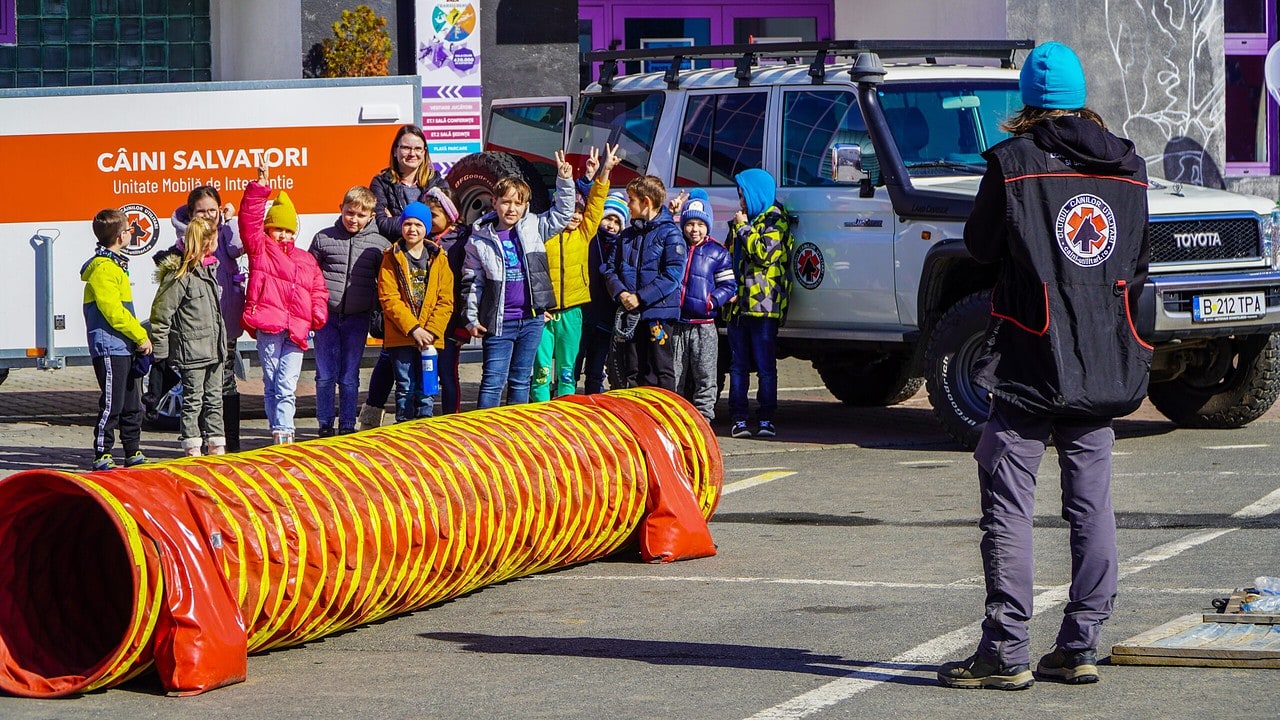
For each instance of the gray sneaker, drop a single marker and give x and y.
(1077, 668)
(975, 672)
(740, 430)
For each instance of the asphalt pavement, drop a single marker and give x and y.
(848, 568)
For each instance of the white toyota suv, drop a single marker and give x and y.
(877, 147)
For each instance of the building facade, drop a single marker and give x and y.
(1185, 80)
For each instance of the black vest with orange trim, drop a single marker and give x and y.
(1061, 340)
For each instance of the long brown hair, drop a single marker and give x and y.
(1030, 115)
(425, 171)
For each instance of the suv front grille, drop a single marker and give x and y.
(1205, 240)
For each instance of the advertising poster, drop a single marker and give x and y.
(448, 34)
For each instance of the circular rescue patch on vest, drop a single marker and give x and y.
(143, 227)
(808, 266)
(1086, 230)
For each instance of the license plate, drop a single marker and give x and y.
(1219, 308)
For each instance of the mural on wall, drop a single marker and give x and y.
(1171, 84)
(1155, 75)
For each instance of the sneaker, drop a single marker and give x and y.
(740, 430)
(325, 432)
(370, 417)
(1077, 668)
(974, 672)
(104, 462)
(136, 459)
(766, 429)
(346, 430)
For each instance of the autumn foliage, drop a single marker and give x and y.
(360, 46)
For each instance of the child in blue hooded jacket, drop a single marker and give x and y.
(760, 243)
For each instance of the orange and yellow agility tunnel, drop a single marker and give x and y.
(189, 565)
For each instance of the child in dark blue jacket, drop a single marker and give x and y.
(708, 284)
(644, 276)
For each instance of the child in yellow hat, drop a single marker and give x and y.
(286, 300)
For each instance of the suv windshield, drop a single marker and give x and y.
(943, 128)
(628, 120)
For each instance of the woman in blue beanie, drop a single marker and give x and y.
(1063, 209)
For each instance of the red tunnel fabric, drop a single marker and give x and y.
(188, 565)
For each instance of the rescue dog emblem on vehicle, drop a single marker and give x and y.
(808, 266)
(143, 227)
(1086, 230)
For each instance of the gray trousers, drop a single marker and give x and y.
(1008, 455)
(695, 348)
(201, 405)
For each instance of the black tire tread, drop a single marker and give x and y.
(974, 310)
(869, 380)
(1237, 402)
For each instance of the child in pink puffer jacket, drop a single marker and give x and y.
(286, 300)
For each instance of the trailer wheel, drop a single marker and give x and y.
(474, 177)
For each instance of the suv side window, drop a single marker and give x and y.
(721, 136)
(813, 121)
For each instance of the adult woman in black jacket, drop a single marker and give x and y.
(406, 179)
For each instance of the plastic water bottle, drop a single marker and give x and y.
(1264, 604)
(430, 377)
(1267, 585)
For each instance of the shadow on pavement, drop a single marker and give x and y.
(663, 652)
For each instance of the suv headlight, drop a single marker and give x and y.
(1271, 238)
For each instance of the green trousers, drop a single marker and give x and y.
(557, 355)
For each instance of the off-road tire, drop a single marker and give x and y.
(1246, 393)
(474, 177)
(869, 379)
(955, 345)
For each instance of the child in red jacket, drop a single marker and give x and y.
(286, 301)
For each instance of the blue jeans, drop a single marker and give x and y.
(339, 347)
(281, 365)
(450, 385)
(508, 361)
(753, 342)
(411, 403)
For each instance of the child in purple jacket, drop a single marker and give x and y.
(708, 284)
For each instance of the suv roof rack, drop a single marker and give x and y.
(817, 53)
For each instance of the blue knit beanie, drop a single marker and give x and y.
(1052, 78)
(616, 204)
(418, 211)
(758, 189)
(697, 207)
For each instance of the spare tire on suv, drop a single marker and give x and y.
(474, 177)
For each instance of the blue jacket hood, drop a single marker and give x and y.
(758, 190)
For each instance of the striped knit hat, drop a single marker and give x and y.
(616, 204)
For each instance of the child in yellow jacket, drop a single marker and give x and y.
(567, 258)
(415, 287)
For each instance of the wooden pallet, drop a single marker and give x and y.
(1191, 641)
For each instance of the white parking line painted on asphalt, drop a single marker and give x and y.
(1262, 508)
(1236, 447)
(755, 480)
(964, 583)
(925, 463)
(957, 641)
(803, 389)
(755, 469)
